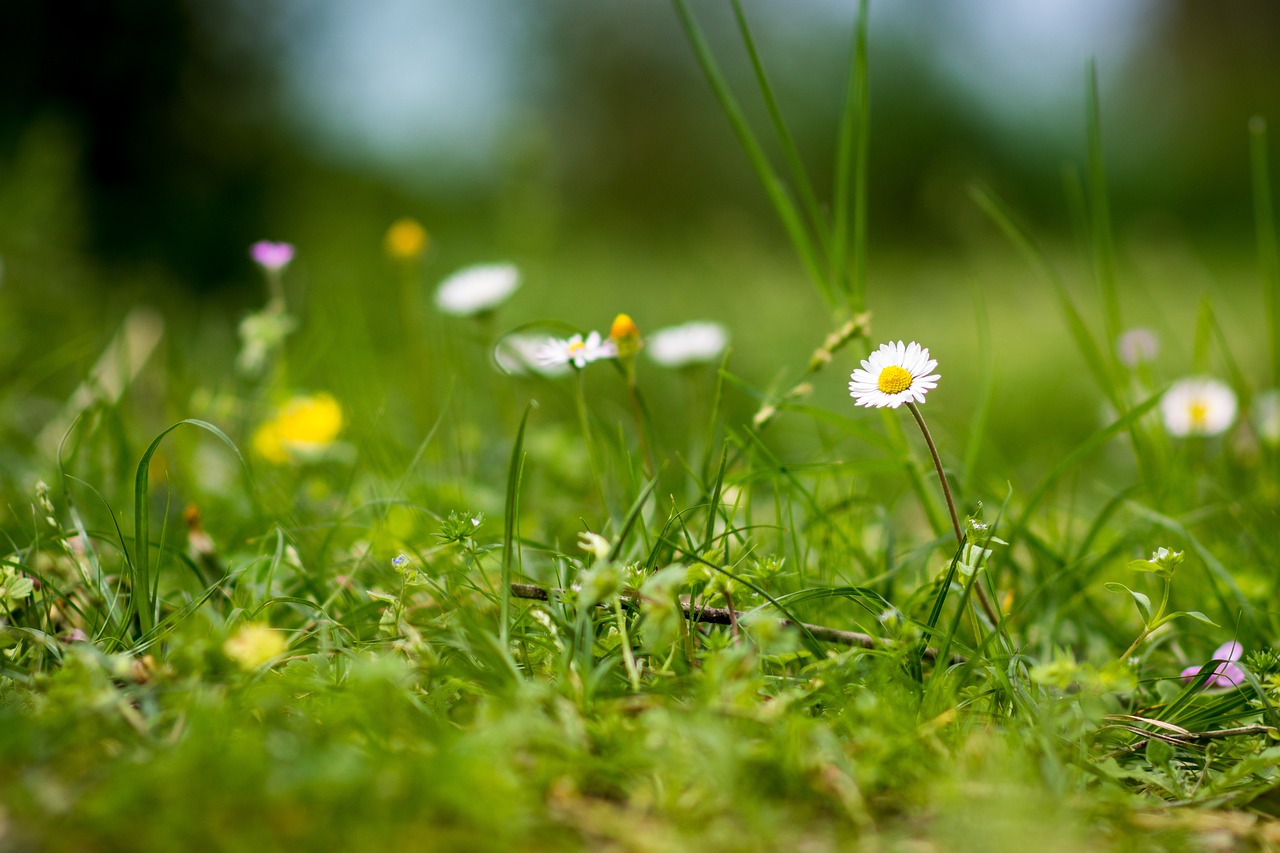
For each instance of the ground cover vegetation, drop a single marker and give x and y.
(406, 563)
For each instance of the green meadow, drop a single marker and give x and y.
(396, 554)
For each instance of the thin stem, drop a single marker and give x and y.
(633, 672)
(585, 422)
(942, 477)
(983, 600)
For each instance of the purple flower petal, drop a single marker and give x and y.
(272, 256)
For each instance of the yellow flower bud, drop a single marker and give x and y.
(625, 335)
(406, 239)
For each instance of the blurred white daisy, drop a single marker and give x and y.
(688, 343)
(1137, 346)
(1266, 416)
(896, 373)
(477, 289)
(1198, 405)
(522, 354)
(577, 351)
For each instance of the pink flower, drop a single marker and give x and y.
(1226, 673)
(271, 256)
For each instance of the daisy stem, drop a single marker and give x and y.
(983, 600)
(585, 423)
(637, 412)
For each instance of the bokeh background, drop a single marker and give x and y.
(144, 144)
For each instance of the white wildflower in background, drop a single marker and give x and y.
(475, 290)
(577, 351)
(896, 373)
(1137, 346)
(689, 343)
(522, 354)
(1266, 416)
(1198, 405)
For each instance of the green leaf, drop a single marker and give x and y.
(1143, 602)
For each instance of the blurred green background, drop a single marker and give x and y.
(144, 148)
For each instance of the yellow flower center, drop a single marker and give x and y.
(894, 380)
(1198, 412)
(575, 346)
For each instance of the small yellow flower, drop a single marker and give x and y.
(253, 645)
(625, 335)
(303, 428)
(406, 239)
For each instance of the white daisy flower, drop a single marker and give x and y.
(689, 343)
(577, 351)
(522, 354)
(477, 289)
(893, 375)
(1137, 346)
(1198, 405)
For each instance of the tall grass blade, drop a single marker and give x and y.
(1264, 218)
(773, 185)
(510, 523)
(143, 602)
(852, 154)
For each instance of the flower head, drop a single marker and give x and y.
(303, 429)
(625, 336)
(406, 239)
(1137, 346)
(1226, 673)
(896, 373)
(577, 351)
(271, 256)
(254, 645)
(689, 343)
(475, 290)
(1198, 405)
(522, 354)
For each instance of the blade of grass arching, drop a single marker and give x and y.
(852, 148)
(1102, 243)
(1265, 223)
(510, 524)
(986, 391)
(1100, 520)
(799, 177)
(1098, 439)
(147, 608)
(1000, 215)
(633, 515)
(717, 400)
(769, 180)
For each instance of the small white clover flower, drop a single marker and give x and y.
(1198, 405)
(1137, 346)
(475, 290)
(688, 343)
(896, 373)
(577, 351)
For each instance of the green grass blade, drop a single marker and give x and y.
(773, 185)
(799, 176)
(852, 153)
(142, 600)
(510, 523)
(1265, 223)
(1102, 243)
(1098, 364)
